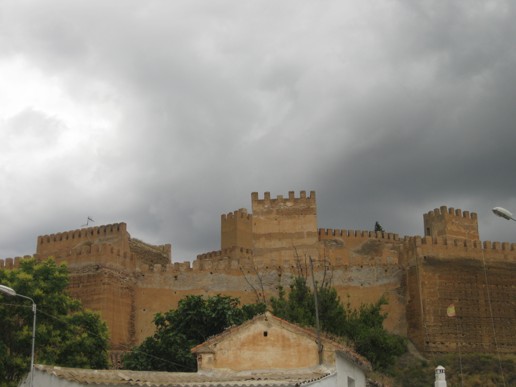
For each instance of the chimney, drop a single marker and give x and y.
(440, 377)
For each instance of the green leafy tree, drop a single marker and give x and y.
(299, 306)
(332, 314)
(177, 331)
(378, 227)
(364, 326)
(66, 334)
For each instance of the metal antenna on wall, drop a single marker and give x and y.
(88, 220)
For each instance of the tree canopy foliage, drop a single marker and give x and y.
(378, 227)
(66, 334)
(299, 306)
(364, 326)
(177, 331)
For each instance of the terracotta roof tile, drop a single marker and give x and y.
(185, 379)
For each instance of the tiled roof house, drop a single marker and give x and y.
(268, 342)
(264, 351)
(52, 376)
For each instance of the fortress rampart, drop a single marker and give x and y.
(482, 294)
(12, 263)
(71, 239)
(448, 248)
(359, 248)
(128, 280)
(232, 252)
(327, 233)
(474, 276)
(102, 254)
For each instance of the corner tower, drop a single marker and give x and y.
(451, 223)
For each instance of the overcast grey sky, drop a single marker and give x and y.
(167, 114)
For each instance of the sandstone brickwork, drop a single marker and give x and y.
(451, 223)
(128, 281)
(477, 279)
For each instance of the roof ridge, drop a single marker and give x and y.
(267, 315)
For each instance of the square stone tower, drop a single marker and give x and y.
(451, 223)
(284, 228)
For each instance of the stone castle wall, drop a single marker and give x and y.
(129, 281)
(102, 262)
(483, 299)
(111, 292)
(477, 278)
(160, 288)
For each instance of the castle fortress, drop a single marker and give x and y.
(128, 281)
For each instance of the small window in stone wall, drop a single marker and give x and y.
(265, 333)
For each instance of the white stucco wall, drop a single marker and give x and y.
(42, 379)
(347, 370)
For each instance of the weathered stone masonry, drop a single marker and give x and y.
(128, 281)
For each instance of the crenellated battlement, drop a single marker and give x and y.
(280, 201)
(460, 248)
(451, 223)
(234, 252)
(445, 211)
(327, 233)
(84, 234)
(61, 243)
(12, 263)
(473, 244)
(238, 214)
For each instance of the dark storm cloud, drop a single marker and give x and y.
(441, 129)
(184, 108)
